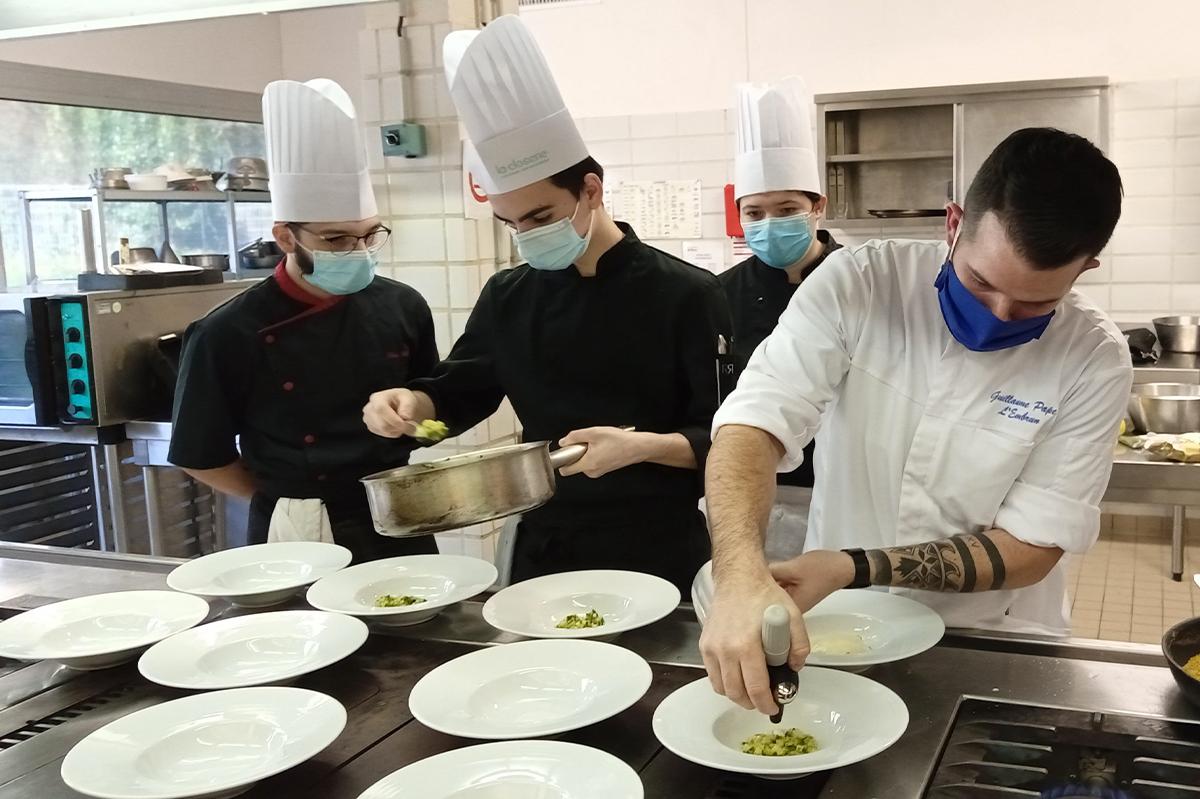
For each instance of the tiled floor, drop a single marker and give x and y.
(1122, 590)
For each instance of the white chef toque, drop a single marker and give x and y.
(775, 150)
(519, 128)
(315, 154)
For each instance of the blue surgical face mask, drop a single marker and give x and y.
(779, 241)
(974, 325)
(342, 274)
(553, 247)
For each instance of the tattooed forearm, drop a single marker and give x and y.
(962, 563)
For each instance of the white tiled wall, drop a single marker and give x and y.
(433, 248)
(696, 145)
(1152, 266)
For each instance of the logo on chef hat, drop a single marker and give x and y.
(518, 165)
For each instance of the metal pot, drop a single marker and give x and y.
(1165, 407)
(465, 489)
(246, 167)
(137, 255)
(260, 254)
(1178, 333)
(111, 177)
(215, 261)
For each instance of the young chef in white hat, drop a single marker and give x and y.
(594, 332)
(287, 364)
(777, 186)
(968, 401)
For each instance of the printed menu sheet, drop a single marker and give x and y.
(657, 209)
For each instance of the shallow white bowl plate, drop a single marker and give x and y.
(851, 717)
(253, 650)
(626, 600)
(260, 575)
(529, 689)
(513, 770)
(95, 632)
(852, 629)
(207, 745)
(862, 627)
(441, 580)
(702, 592)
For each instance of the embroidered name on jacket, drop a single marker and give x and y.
(1020, 410)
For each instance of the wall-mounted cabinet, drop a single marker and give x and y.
(906, 153)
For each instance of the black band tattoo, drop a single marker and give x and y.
(994, 558)
(968, 562)
(881, 567)
(932, 566)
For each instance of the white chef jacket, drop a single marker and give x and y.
(923, 439)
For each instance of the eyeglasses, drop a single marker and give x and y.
(344, 245)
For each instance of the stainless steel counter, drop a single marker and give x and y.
(382, 736)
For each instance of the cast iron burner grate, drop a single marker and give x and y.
(996, 750)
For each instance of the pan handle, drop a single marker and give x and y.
(566, 456)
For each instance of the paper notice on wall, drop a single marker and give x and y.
(706, 254)
(657, 209)
(741, 250)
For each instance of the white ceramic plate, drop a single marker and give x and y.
(513, 770)
(627, 600)
(260, 575)
(204, 745)
(441, 580)
(252, 650)
(853, 629)
(529, 689)
(95, 632)
(856, 628)
(851, 717)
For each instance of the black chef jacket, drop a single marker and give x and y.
(290, 374)
(634, 345)
(758, 295)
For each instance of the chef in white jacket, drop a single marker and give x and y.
(970, 398)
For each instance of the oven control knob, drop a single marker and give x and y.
(75, 361)
(74, 335)
(78, 387)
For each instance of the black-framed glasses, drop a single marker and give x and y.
(346, 244)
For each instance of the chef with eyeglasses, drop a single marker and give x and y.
(593, 332)
(968, 402)
(777, 187)
(271, 385)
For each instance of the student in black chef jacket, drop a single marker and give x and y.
(596, 331)
(625, 336)
(778, 193)
(286, 365)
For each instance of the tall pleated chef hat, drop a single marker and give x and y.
(315, 153)
(518, 126)
(775, 150)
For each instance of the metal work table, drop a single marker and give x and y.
(381, 735)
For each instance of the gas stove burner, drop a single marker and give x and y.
(1084, 792)
(996, 749)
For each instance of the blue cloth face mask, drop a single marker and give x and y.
(342, 274)
(779, 241)
(553, 247)
(974, 325)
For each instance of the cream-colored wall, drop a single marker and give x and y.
(684, 55)
(241, 53)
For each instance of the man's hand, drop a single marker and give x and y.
(813, 576)
(608, 449)
(731, 643)
(396, 412)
